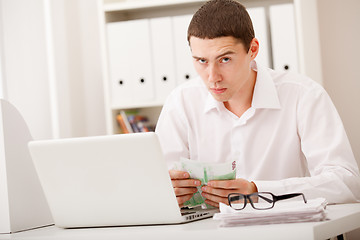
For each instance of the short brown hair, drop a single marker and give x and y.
(221, 18)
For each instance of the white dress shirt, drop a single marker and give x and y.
(291, 139)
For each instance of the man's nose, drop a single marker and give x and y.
(213, 73)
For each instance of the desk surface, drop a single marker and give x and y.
(342, 218)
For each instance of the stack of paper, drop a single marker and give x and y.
(282, 212)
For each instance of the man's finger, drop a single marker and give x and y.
(184, 191)
(214, 204)
(221, 192)
(215, 199)
(185, 183)
(176, 174)
(182, 199)
(230, 184)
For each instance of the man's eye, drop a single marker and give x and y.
(225, 60)
(202, 61)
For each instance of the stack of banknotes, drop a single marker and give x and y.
(205, 171)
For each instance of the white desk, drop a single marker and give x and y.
(343, 218)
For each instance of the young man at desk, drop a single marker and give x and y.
(281, 128)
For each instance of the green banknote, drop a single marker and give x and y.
(205, 171)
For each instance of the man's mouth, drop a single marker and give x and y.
(217, 90)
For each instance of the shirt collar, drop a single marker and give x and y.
(211, 103)
(265, 93)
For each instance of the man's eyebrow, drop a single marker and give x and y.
(219, 56)
(197, 58)
(225, 53)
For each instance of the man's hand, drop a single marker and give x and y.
(184, 187)
(217, 191)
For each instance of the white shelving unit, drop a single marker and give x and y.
(116, 11)
(110, 11)
(117, 6)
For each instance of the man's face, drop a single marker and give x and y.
(224, 66)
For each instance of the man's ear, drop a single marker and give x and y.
(254, 48)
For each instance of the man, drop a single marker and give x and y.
(281, 128)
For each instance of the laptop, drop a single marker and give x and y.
(114, 180)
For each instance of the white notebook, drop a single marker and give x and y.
(110, 180)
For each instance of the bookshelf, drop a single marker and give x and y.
(112, 12)
(126, 11)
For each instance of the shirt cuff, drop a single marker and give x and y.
(275, 187)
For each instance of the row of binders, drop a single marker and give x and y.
(150, 57)
(147, 58)
(132, 122)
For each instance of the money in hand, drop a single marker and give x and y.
(205, 171)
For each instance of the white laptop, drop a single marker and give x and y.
(110, 180)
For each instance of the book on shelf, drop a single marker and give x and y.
(122, 125)
(131, 121)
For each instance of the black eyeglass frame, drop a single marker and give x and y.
(247, 198)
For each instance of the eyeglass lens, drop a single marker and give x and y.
(257, 200)
(262, 200)
(237, 201)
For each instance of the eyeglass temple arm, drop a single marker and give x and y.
(291, 195)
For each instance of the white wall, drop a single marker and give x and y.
(77, 68)
(340, 50)
(1, 58)
(25, 64)
(52, 46)
(1, 55)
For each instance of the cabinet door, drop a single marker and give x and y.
(163, 56)
(130, 65)
(258, 17)
(184, 64)
(283, 37)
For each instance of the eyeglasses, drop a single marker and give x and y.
(258, 200)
